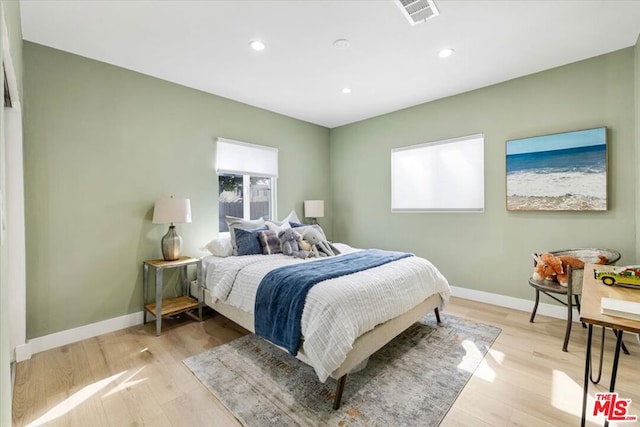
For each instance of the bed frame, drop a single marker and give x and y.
(363, 347)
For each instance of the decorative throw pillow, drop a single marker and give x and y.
(220, 247)
(269, 242)
(247, 241)
(234, 222)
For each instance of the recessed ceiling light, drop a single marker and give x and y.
(256, 45)
(346, 90)
(445, 53)
(341, 44)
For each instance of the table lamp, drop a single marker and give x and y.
(171, 211)
(314, 209)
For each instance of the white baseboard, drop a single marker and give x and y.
(47, 342)
(544, 309)
(23, 352)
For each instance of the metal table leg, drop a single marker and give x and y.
(535, 306)
(587, 369)
(159, 279)
(200, 288)
(183, 280)
(614, 369)
(145, 290)
(567, 331)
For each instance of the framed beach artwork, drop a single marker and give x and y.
(560, 172)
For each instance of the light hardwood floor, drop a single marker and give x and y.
(133, 378)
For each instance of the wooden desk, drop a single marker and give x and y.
(592, 293)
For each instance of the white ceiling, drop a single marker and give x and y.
(389, 65)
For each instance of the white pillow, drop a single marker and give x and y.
(220, 247)
(292, 217)
(277, 227)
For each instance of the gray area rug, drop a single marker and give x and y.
(412, 381)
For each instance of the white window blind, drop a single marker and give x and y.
(241, 158)
(445, 175)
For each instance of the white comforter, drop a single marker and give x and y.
(337, 311)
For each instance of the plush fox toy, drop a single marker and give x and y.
(554, 268)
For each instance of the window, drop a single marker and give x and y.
(442, 176)
(246, 180)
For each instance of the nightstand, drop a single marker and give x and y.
(171, 306)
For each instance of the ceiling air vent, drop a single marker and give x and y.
(417, 11)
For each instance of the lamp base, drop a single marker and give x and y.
(171, 244)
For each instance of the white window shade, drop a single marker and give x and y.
(241, 158)
(445, 175)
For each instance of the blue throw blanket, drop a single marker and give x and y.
(282, 292)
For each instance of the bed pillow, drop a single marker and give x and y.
(220, 247)
(269, 242)
(277, 227)
(292, 217)
(247, 241)
(248, 224)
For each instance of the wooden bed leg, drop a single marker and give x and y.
(437, 314)
(339, 390)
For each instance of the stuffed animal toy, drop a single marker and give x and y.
(554, 268)
(319, 246)
(304, 245)
(289, 239)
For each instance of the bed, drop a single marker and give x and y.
(345, 319)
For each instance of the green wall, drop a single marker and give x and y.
(490, 251)
(100, 145)
(637, 171)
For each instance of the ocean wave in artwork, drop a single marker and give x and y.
(570, 176)
(580, 190)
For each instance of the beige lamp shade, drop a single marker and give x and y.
(172, 210)
(314, 208)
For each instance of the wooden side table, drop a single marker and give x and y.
(171, 306)
(592, 294)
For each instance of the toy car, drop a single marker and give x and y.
(623, 276)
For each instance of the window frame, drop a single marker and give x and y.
(247, 175)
